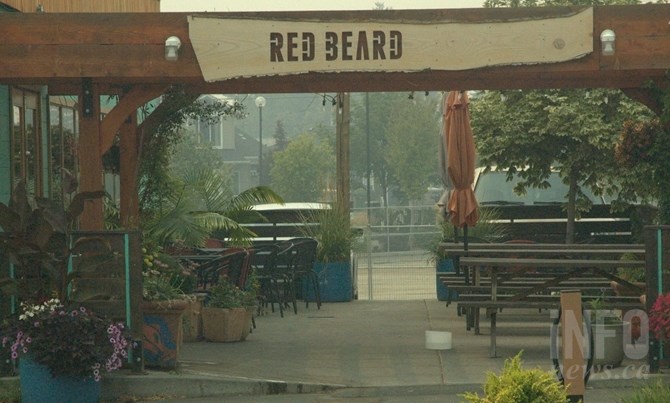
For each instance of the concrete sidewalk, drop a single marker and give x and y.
(361, 349)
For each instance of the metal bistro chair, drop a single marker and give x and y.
(303, 273)
(263, 262)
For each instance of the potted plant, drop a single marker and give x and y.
(635, 276)
(63, 351)
(165, 298)
(607, 330)
(228, 311)
(486, 230)
(516, 384)
(57, 340)
(332, 230)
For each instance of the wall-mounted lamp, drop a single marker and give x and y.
(172, 45)
(607, 39)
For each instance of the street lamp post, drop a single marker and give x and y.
(260, 103)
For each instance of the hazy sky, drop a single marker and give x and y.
(294, 5)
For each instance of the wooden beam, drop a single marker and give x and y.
(128, 48)
(90, 163)
(128, 104)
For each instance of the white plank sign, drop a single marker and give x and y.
(233, 47)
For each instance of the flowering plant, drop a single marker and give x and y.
(227, 295)
(659, 317)
(164, 277)
(69, 341)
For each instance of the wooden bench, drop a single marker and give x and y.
(536, 302)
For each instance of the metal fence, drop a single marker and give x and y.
(393, 259)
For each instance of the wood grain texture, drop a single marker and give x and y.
(128, 48)
(265, 47)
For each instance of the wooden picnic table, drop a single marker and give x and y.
(555, 271)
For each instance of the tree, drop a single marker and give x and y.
(570, 130)
(379, 109)
(644, 157)
(413, 141)
(161, 131)
(303, 171)
(532, 132)
(281, 141)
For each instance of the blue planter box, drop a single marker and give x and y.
(335, 283)
(443, 292)
(38, 386)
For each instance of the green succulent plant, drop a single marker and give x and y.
(519, 385)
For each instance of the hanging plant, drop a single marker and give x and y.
(636, 141)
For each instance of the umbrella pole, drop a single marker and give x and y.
(455, 234)
(465, 237)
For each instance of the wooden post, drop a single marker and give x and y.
(90, 159)
(572, 339)
(129, 156)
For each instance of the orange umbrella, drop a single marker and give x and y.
(460, 160)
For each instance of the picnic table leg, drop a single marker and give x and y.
(492, 352)
(475, 315)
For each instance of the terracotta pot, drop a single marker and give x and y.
(226, 325)
(192, 320)
(163, 332)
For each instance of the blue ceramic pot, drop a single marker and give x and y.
(38, 385)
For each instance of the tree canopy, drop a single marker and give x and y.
(304, 169)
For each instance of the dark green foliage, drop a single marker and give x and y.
(226, 295)
(36, 238)
(656, 391)
(333, 233)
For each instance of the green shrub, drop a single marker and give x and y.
(519, 385)
(651, 392)
(227, 295)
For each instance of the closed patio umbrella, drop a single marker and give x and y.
(459, 162)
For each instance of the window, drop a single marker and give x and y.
(63, 136)
(25, 140)
(211, 134)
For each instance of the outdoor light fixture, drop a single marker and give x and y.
(607, 39)
(172, 45)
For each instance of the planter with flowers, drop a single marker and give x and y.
(165, 293)
(63, 351)
(55, 337)
(228, 311)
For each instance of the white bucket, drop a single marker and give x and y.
(436, 340)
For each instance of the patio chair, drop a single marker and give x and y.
(264, 262)
(303, 273)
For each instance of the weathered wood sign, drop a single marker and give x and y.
(233, 47)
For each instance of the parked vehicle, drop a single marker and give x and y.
(539, 215)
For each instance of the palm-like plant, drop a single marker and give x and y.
(199, 205)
